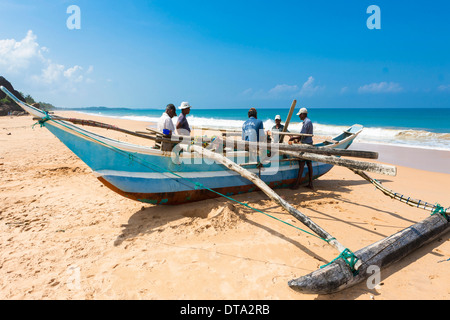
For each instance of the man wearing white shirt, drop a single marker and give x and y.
(165, 122)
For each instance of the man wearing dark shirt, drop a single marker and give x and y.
(253, 128)
(278, 127)
(183, 128)
(307, 128)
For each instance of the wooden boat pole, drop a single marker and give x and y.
(245, 145)
(398, 196)
(288, 119)
(270, 193)
(92, 123)
(348, 163)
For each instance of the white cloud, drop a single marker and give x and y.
(309, 89)
(382, 87)
(281, 89)
(16, 56)
(444, 87)
(28, 55)
(51, 74)
(246, 92)
(74, 74)
(285, 91)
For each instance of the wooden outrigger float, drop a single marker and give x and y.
(340, 274)
(137, 171)
(349, 268)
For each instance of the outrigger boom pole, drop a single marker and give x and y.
(272, 194)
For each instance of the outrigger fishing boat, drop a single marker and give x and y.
(151, 175)
(226, 167)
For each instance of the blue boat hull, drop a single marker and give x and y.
(157, 179)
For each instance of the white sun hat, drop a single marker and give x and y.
(302, 110)
(277, 117)
(184, 105)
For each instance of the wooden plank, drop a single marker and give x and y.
(288, 119)
(292, 134)
(398, 196)
(92, 123)
(216, 129)
(245, 145)
(348, 163)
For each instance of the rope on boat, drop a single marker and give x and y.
(43, 120)
(350, 259)
(197, 185)
(434, 208)
(441, 211)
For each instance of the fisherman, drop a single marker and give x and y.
(253, 128)
(165, 122)
(183, 128)
(278, 126)
(165, 125)
(307, 128)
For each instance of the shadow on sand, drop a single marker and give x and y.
(157, 218)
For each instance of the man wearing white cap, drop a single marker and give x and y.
(307, 128)
(183, 128)
(278, 126)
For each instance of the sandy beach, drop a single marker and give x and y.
(66, 236)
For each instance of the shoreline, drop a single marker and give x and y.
(418, 158)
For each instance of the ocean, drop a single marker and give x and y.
(420, 128)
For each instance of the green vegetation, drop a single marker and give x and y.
(8, 106)
(47, 106)
(29, 99)
(5, 100)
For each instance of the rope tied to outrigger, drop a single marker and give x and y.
(42, 121)
(350, 259)
(441, 210)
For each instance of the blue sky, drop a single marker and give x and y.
(219, 54)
